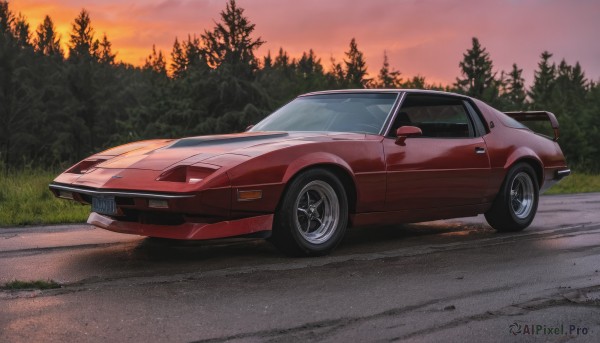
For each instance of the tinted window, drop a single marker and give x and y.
(342, 112)
(436, 116)
(510, 122)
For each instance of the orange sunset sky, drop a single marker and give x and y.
(426, 37)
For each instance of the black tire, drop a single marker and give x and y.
(305, 226)
(516, 204)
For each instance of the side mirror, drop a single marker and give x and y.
(249, 127)
(404, 132)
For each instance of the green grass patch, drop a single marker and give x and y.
(34, 284)
(26, 200)
(577, 183)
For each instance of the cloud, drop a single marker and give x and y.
(426, 37)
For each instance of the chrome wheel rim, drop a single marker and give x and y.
(317, 212)
(521, 195)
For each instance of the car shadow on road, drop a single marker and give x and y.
(357, 240)
(149, 257)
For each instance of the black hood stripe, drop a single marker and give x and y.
(218, 140)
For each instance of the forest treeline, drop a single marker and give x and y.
(57, 107)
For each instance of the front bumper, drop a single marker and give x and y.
(57, 188)
(187, 230)
(206, 203)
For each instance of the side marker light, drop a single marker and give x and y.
(249, 195)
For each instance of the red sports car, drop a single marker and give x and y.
(324, 162)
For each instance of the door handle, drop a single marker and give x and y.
(479, 150)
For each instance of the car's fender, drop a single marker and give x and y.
(314, 159)
(526, 154)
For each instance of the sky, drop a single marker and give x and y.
(421, 37)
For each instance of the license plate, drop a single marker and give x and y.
(104, 205)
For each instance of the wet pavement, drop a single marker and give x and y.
(454, 281)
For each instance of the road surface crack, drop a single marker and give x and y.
(320, 330)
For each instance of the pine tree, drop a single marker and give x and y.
(592, 131)
(214, 86)
(8, 56)
(309, 75)
(7, 20)
(82, 44)
(282, 61)
(267, 61)
(186, 56)
(388, 78)
(105, 54)
(337, 76)
(231, 42)
(156, 62)
(309, 64)
(569, 87)
(356, 67)
(178, 59)
(18, 92)
(84, 54)
(416, 82)
(478, 78)
(568, 102)
(578, 80)
(192, 51)
(543, 83)
(46, 40)
(193, 54)
(515, 88)
(22, 32)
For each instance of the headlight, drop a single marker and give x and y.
(84, 166)
(189, 174)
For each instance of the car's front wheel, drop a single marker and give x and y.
(516, 204)
(313, 215)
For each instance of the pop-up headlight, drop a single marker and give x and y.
(190, 174)
(84, 166)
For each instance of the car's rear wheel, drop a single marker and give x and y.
(516, 204)
(312, 217)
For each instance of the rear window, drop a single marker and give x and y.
(510, 122)
(504, 119)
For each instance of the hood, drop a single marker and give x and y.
(137, 165)
(197, 149)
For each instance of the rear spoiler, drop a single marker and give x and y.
(537, 116)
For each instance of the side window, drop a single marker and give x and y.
(437, 116)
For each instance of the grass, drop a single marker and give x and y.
(26, 200)
(577, 183)
(34, 284)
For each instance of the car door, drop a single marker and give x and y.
(447, 166)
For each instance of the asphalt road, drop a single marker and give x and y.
(451, 281)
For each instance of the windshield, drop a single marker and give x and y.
(341, 112)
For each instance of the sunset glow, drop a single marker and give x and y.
(420, 37)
